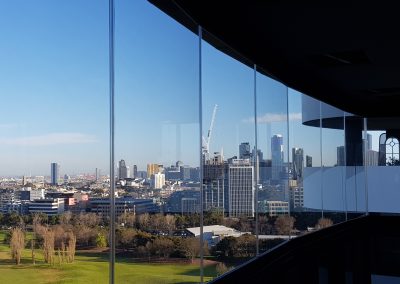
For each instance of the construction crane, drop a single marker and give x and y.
(206, 141)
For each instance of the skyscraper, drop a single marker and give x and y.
(158, 180)
(214, 183)
(134, 171)
(153, 169)
(122, 170)
(297, 162)
(308, 161)
(54, 173)
(244, 150)
(340, 156)
(277, 156)
(241, 188)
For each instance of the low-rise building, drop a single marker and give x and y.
(276, 208)
(122, 205)
(48, 206)
(213, 234)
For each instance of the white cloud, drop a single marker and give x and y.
(274, 117)
(50, 139)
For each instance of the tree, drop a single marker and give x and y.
(37, 220)
(263, 224)
(323, 223)
(170, 223)
(125, 237)
(221, 268)
(87, 219)
(284, 224)
(65, 218)
(12, 219)
(71, 247)
(84, 234)
(48, 246)
(59, 235)
(157, 222)
(162, 247)
(245, 246)
(101, 240)
(190, 248)
(144, 221)
(393, 162)
(227, 247)
(17, 244)
(214, 217)
(128, 219)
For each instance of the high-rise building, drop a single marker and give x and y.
(277, 156)
(244, 150)
(260, 155)
(54, 173)
(24, 182)
(153, 169)
(372, 158)
(340, 153)
(158, 180)
(122, 170)
(97, 174)
(297, 163)
(134, 171)
(369, 141)
(214, 183)
(241, 188)
(67, 178)
(308, 161)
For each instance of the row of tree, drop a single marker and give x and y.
(48, 239)
(157, 222)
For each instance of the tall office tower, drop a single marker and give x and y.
(97, 174)
(122, 170)
(372, 158)
(54, 173)
(24, 182)
(297, 163)
(340, 156)
(134, 171)
(241, 188)
(277, 156)
(260, 155)
(367, 143)
(67, 178)
(152, 169)
(244, 150)
(214, 183)
(308, 161)
(158, 180)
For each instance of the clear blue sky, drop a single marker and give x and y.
(54, 90)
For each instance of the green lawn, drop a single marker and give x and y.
(93, 268)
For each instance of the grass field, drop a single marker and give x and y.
(93, 268)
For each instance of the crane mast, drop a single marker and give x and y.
(206, 141)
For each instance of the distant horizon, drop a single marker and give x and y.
(56, 93)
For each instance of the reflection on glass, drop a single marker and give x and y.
(305, 159)
(333, 163)
(382, 166)
(157, 148)
(228, 153)
(274, 202)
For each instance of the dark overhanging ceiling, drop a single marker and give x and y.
(345, 53)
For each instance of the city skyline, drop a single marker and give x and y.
(156, 103)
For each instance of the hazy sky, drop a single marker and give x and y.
(54, 91)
